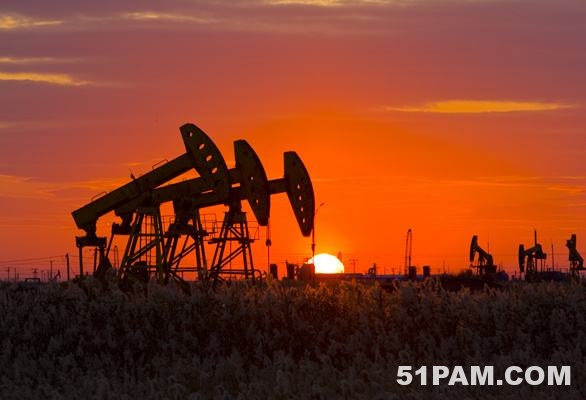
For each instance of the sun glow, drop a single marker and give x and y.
(327, 264)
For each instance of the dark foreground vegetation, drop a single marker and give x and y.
(337, 341)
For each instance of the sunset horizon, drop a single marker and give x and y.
(452, 118)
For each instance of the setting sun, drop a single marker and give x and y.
(327, 264)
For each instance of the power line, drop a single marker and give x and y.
(30, 260)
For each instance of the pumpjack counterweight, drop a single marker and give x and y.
(160, 251)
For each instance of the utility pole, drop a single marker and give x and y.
(8, 273)
(353, 261)
(80, 262)
(408, 249)
(313, 232)
(51, 270)
(67, 261)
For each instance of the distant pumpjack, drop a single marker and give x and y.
(485, 263)
(528, 257)
(576, 260)
(153, 251)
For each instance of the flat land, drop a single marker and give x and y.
(87, 340)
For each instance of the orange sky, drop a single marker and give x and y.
(450, 117)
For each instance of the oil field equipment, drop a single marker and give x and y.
(485, 263)
(408, 251)
(576, 260)
(528, 257)
(156, 250)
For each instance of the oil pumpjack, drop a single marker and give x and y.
(528, 257)
(485, 263)
(576, 260)
(154, 250)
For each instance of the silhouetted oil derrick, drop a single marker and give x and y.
(156, 250)
(528, 258)
(576, 260)
(485, 264)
